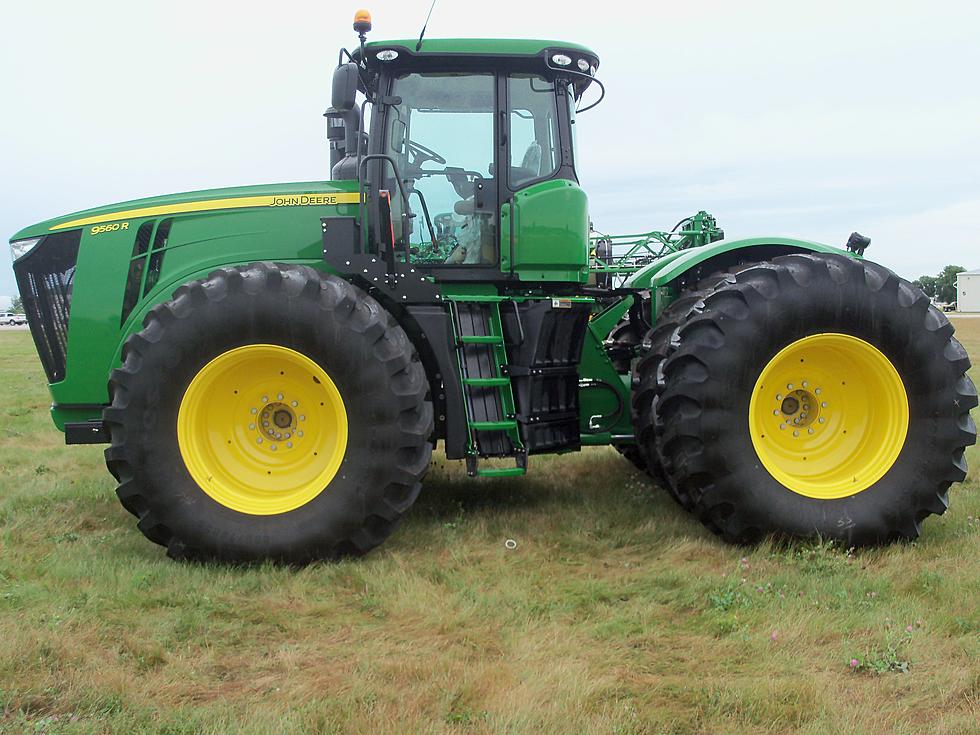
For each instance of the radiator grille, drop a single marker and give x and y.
(44, 278)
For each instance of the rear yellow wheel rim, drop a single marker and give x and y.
(262, 429)
(828, 416)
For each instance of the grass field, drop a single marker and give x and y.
(616, 613)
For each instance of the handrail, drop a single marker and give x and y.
(406, 217)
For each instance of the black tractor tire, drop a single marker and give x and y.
(342, 330)
(719, 350)
(652, 347)
(644, 395)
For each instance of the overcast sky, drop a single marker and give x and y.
(810, 120)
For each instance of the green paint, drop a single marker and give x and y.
(672, 266)
(484, 47)
(547, 231)
(545, 252)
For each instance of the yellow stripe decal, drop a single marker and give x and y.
(313, 199)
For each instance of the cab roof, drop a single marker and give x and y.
(481, 47)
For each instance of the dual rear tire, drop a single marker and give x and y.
(813, 395)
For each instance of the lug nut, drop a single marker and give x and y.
(289, 444)
(789, 386)
(809, 431)
(272, 447)
(251, 427)
(782, 426)
(821, 419)
(259, 440)
(823, 404)
(265, 399)
(254, 410)
(299, 433)
(302, 417)
(796, 433)
(295, 404)
(279, 397)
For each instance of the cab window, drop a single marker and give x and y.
(442, 135)
(533, 118)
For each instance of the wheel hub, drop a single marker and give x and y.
(278, 422)
(800, 408)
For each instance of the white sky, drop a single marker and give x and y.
(785, 118)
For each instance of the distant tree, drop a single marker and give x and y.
(17, 305)
(927, 284)
(946, 283)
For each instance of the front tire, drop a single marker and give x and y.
(814, 395)
(268, 412)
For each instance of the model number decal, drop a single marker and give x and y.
(115, 226)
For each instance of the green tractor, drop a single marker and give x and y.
(272, 366)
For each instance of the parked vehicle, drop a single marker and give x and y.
(10, 318)
(272, 365)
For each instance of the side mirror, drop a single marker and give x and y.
(344, 93)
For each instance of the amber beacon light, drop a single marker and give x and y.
(362, 21)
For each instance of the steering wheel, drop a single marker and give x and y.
(423, 154)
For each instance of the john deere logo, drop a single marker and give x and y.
(304, 200)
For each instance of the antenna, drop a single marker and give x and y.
(418, 46)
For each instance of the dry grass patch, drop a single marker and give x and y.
(615, 613)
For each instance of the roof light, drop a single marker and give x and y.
(362, 21)
(388, 54)
(561, 59)
(583, 65)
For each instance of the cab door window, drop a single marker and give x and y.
(442, 135)
(533, 120)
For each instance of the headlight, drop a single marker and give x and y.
(583, 65)
(561, 59)
(20, 248)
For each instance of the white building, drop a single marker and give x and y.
(968, 291)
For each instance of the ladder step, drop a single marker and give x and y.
(480, 339)
(493, 425)
(501, 472)
(486, 382)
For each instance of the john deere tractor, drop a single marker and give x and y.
(272, 366)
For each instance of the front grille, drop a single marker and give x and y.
(44, 278)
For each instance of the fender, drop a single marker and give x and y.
(667, 269)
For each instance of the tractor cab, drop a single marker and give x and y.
(468, 148)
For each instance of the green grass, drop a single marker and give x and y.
(615, 613)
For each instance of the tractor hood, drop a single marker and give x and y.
(207, 200)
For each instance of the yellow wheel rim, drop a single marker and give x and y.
(262, 429)
(828, 416)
